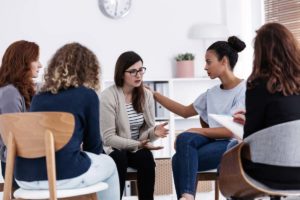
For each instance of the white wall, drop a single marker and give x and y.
(156, 29)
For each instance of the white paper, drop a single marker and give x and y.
(227, 121)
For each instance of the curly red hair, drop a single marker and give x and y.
(16, 70)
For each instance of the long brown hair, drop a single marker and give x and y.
(124, 61)
(276, 59)
(72, 65)
(16, 69)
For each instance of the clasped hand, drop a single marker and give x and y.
(159, 131)
(148, 145)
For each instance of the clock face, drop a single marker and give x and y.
(115, 8)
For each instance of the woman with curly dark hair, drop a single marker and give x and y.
(71, 79)
(20, 64)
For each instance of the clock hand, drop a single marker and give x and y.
(116, 8)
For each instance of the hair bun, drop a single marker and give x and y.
(235, 43)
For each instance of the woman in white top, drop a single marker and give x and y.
(127, 123)
(200, 149)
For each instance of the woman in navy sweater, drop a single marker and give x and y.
(70, 83)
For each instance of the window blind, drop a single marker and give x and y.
(286, 12)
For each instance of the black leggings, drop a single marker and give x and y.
(143, 162)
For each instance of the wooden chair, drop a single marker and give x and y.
(39, 134)
(210, 175)
(277, 145)
(1, 181)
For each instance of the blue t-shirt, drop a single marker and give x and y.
(71, 161)
(220, 101)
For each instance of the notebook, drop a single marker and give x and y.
(227, 122)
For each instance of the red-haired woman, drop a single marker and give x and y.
(20, 64)
(272, 97)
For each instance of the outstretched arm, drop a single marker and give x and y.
(175, 107)
(215, 133)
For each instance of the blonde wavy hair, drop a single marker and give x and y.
(72, 65)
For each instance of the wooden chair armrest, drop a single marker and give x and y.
(233, 182)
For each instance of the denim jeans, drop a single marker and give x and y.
(102, 168)
(232, 144)
(194, 152)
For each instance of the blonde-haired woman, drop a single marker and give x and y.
(70, 83)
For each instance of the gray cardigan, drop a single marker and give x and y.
(114, 123)
(11, 101)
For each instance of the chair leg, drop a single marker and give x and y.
(92, 196)
(275, 198)
(216, 190)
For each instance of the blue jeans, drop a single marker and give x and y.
(232, 144)
(194, 152)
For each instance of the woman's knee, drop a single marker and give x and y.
(146, 158)
(103, 163)
(184, 139)
(188, 139)
(102, 160)
(120, 158)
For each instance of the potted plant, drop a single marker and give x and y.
(185, 65)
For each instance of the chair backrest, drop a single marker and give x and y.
(277, 145)
(33, 135)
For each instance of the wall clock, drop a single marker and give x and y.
(115, 9)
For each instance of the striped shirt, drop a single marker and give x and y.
(136, 121)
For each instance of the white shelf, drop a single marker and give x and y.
(204, 78)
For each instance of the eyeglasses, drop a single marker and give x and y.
(134, 72)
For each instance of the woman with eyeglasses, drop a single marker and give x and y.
(127, 123)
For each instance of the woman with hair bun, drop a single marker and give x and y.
(200, 149)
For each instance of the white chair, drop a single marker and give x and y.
(40, 134)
